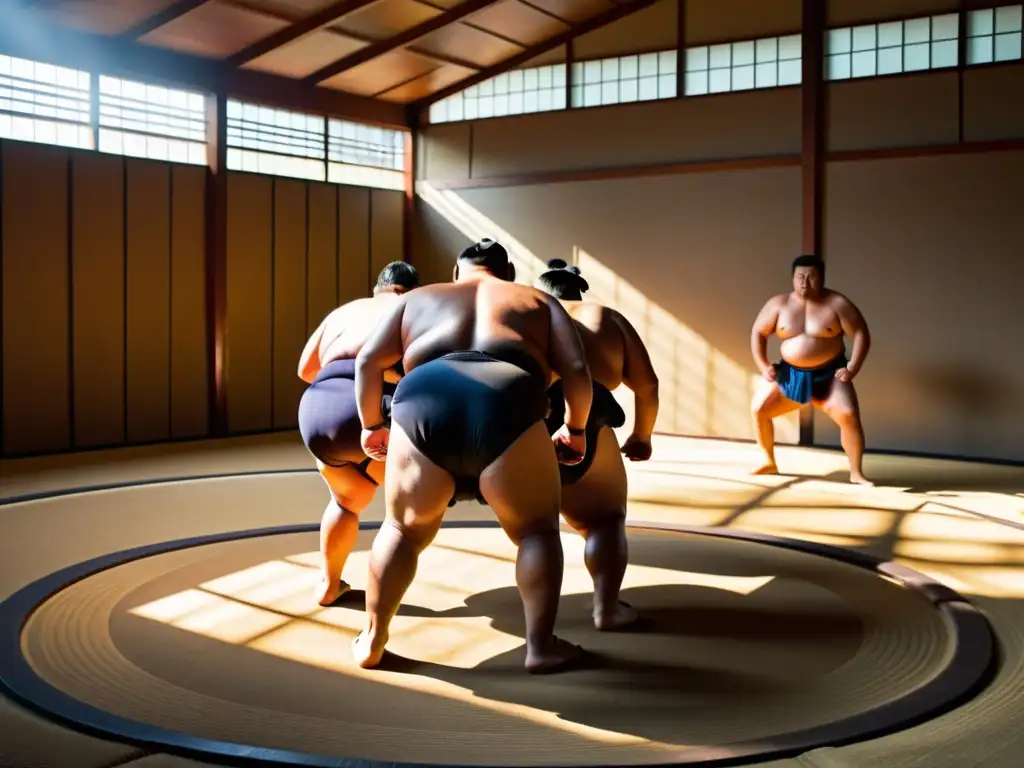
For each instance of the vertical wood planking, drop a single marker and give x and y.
(98, 321)
(148, 259)
(189, 408)
(289, 298)
(353, 243)
(322, 256)
(386, 237)
(249, 241)
(36, 313)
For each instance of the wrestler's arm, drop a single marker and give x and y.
(381, 351)
(764, 326)
(855, 326)
(309, 360)
(638, 374)
(569, 361)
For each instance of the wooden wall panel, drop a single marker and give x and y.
(761, 123)
(322, 254)
(930, 249)
(707, 21)
(288, 298)
(652, 29)
(249, 243)
(98, 298)
(444, 151)
(189, 407)
(353, 243)
(877, 113)
(991, 112)
(36, 360)
(840, 12)
(148, 345)
(387, 211)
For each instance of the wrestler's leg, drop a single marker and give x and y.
(767, 404)
(416, 492)
(523, 488)
(842, 407)
(596, 507)
(351, 492)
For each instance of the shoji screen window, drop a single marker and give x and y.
(365, 155)
(45, 104)
(276, 141)
(623, 79)
(912, 45)
(994, 34)
(141, 120)
(770, 62)
(518, 92)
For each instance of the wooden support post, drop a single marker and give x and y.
(680, 49)
(216, 263)
(409, 208)
(813, 150)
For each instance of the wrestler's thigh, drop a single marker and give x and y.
(523, 485)
(377, 470)
(841, 401)
(769, 401)
(416, 490)
(601, 494)
(348, 485)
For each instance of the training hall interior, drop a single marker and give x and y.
(188, 187)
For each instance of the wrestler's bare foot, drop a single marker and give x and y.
(769, 468)
(622, 616)
(329, 592)
(368, 650)
(552, 656)
(858, 479)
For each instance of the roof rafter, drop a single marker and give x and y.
(23, 35)
(400, 40)
(306, 26)
(157, 20)
(589, 25)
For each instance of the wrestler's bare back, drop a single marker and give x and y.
(347, 328)
(811, 330)
(604, 341)
(486, 315)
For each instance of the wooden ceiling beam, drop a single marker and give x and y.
(25, 36)
(400, 40)
(300, 28)
(157, 20)
(602, 19)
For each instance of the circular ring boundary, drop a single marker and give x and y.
(972, 667)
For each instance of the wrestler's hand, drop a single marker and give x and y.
(637, 448)
(844, 374)
(570, 449)
(375, 442)
(770, 374)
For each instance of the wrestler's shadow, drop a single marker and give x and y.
(648, 667)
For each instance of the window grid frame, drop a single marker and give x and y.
(776, 61)
(578, 83)
(877, 49)
(993, 36)
(183, 128)
(241, 128)
(71, 106)
(339, 146)
(472, 95)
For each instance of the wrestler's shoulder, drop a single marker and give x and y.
(839, 300)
